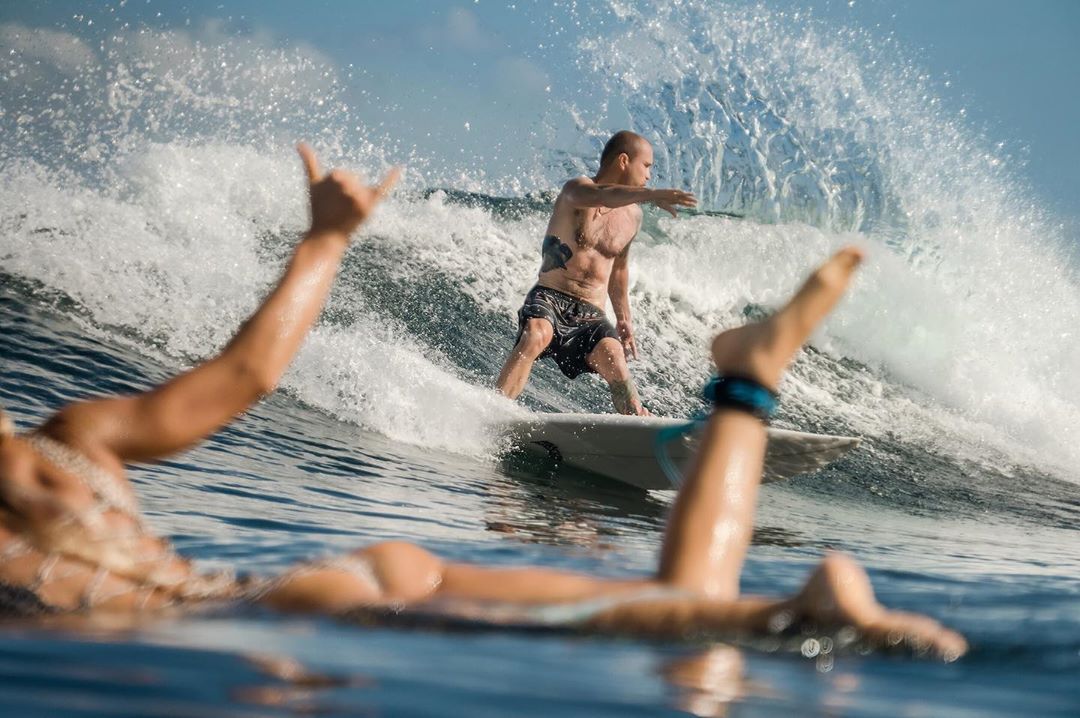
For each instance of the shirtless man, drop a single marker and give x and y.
(585, 257)
(72, 540)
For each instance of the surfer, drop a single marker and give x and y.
(73, 542)
(585, 261)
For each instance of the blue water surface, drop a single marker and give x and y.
(287, 482)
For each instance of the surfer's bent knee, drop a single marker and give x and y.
(609, 352)
(535, 337)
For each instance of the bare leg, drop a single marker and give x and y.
(515, 373)
(401, 573)
(837, 598)
(706, 541)
(609, 361)
(709, 529)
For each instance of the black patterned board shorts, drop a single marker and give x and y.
(579, 327)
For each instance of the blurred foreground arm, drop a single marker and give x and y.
(197, 403)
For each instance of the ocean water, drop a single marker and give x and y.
(149, 195)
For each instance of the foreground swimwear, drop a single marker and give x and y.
(72, 540)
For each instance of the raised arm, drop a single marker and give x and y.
(195, 404)
(582, 192)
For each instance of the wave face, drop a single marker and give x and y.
(147, 176)
(783, 119)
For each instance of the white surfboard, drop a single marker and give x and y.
(624, 448)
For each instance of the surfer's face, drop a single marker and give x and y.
(639, 165)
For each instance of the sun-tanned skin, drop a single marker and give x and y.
(695, 588)
(593, 223)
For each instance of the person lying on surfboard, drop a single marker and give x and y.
(73, 541)
(585, 260)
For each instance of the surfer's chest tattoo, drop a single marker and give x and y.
(555, 253)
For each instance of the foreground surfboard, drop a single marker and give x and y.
(624, 448)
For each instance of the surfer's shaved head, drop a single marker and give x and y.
(622, 142)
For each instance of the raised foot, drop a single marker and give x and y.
(761, 351)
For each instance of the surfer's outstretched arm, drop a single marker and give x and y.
(582, 192)
(193, 405)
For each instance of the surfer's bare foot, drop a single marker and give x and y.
(762, 351)
(838, 594)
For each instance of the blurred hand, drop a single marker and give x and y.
(340, 202)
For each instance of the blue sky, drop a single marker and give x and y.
(1014, 66)
(425, 68)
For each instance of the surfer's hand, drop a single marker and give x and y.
(340, 202)
(670, 200)
(626, 336)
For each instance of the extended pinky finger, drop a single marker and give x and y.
(388, 182)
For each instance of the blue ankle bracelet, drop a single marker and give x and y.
(736, 392)
(733, 392)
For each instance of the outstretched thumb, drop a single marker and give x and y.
(311, 163)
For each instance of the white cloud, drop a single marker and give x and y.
(459, 30)
(519, 76)
(463, 30)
